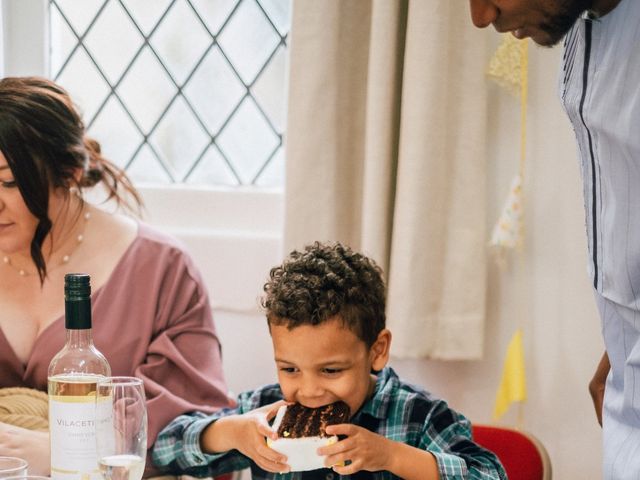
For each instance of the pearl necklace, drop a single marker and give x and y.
(65, 258)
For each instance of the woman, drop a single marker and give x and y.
(151, 314)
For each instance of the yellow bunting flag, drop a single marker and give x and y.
(513, 386)
(507, 232)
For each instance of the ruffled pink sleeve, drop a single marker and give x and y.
(156, 323)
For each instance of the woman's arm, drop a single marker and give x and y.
(182, 371)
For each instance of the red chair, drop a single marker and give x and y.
(522, 455)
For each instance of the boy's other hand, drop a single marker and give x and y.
(246, 433)
(364, 450)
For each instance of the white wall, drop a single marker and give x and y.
(545, 290)
(23, 25)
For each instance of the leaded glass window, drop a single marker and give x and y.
(178, 91)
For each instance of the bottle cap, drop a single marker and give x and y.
(77, 286)
(77, 301)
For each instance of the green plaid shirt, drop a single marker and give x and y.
(397, 410)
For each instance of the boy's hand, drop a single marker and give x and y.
(246, 433)
(364, 449)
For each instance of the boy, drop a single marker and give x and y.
(325, 311)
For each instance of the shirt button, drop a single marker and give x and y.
(329, 476)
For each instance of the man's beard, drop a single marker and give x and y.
(557, 25)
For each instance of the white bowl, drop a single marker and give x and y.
(302, 452)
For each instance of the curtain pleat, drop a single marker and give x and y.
(386, 152)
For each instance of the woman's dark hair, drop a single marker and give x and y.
(323, 282)
(43, 138)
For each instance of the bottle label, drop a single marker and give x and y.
(72, 425)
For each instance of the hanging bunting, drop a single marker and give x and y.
(509, 67)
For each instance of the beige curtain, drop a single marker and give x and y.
(385, 152)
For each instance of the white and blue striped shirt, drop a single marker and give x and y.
(600, 90)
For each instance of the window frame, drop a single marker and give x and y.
(242, 226)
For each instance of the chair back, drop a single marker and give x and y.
(521, 454)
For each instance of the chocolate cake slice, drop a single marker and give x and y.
(301, 431)
(300, 421)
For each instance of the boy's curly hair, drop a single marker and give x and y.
(325, 281)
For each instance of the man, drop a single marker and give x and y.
(600, 90)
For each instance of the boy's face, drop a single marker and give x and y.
(318, 365)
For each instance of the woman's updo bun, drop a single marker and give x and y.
(43, 138)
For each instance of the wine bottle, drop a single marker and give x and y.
(73, 375)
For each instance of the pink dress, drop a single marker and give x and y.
(152, 320)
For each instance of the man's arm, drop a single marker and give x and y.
(597, 384)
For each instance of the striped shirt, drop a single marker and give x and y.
(600, 90)
(397, 410)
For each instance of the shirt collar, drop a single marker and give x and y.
(378, 405)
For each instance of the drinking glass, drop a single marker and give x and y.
(28, 477)
(121, 428)
(12, 467)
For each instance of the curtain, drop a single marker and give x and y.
(385, 152)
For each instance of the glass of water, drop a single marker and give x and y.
(28, 477)
(12, 467)
(121, 428)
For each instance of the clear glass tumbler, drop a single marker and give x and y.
(121, 428)
(13, 467)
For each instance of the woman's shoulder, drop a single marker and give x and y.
(161, 252)
(124, 246)
(152, 242)
(133, 234)
(149, 235)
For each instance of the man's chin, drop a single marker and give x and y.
(544, 38)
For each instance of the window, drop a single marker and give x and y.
(178, 91)
(232, 225)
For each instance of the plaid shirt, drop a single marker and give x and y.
(397, 410)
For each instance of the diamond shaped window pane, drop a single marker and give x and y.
(113, 41)
(269, 89)
(147, 170)
(146, 13)
(249, 140)
(248, 40)
(146, 90)
(116, 133)
(212, 170)
(201, 100)
(80, 17)
(214, 12)
(85, 85)
(273, 173)
(180, 41)
(62, 41)
(179, 139)
(279, 12)
(214, 90)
